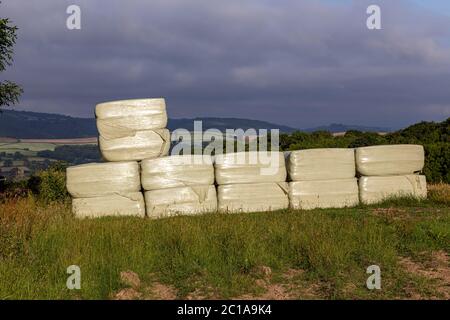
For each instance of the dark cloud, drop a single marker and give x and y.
(300, 63)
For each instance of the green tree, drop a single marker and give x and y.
(9, 91)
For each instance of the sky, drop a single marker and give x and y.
(300, 63)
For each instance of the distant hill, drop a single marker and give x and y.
(227, 123)
(337, 127)
(36, 125)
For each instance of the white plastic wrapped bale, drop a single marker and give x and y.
(181, 201)
(252, 197)
(132, 129)
(140, 145)
(126, 204)
(389, 160)
(177, 171)
(250, 167)
(321, 164)
(377, 189)
(134, 115)
(99, 179)
(338, 193)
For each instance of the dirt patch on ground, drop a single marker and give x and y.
(128, 294)
(154, 291)
(293, 273)
(130, 279)
(289, 288)
(203, 293)
(159, 291)
(437, 268)
(391, 213)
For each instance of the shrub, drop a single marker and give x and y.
(51, 184)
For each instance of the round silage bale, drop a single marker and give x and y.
(176, 171)
(99, 179)
(134, 114)
(140, 145)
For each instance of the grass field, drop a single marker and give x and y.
(318, 254)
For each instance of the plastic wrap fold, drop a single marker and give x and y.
(141, 145)
(183, 200)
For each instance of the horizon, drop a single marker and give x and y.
(386, 129)
(300, 64)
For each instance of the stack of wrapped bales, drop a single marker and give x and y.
(322, 178)
(129, 131)
(132, 129)
(389, 171)
(179, 185)
(100, 189)
(251, 181)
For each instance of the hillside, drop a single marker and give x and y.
(36, 125)
(339, 127)
(227, 123)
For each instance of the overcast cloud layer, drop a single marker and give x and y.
(296, 62)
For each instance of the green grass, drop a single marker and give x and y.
(333, 247)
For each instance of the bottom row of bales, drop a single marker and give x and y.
(246, 182)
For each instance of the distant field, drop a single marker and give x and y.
(29, 147)
(92, 140)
